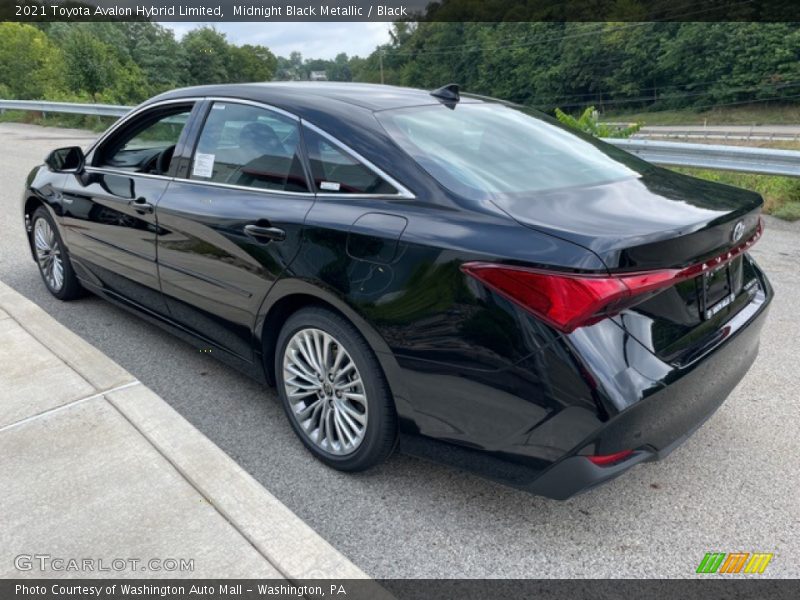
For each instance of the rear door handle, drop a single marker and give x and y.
(142, 206)
(265, 234)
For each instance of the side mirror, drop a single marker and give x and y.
(66, 160)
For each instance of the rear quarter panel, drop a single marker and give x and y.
(464, 364)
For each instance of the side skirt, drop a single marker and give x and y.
(254, 370)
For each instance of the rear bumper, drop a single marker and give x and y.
(595, 392)
(577, 474)
(659, 423)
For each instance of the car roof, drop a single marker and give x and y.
(302, 97)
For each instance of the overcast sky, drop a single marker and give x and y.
(313, 40)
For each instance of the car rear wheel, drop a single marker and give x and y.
(333, 390)
(52, 258)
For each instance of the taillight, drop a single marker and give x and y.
(568, 300)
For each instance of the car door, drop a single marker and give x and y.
(109, 209)
(234, 221)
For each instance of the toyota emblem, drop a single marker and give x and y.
(738, 231)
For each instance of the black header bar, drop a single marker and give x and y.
(705, 587)
(218, 11)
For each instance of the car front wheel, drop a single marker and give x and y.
(333, 390)
(52, 257)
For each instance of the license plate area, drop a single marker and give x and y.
(717, 288)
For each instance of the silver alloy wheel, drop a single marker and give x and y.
(325, 391)
(48, 254)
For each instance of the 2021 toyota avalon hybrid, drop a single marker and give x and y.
(513, 298)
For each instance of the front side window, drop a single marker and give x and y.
(492, 150)
(336, 172)
(249, 146)
(147, 143)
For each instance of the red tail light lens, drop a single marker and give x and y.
(568, 301)
(609, 459)
(564, 301)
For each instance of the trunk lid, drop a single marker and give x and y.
(659, 220)
(662, 220)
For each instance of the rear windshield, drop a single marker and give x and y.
(488, 150)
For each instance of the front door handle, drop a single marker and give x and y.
(142, 206)
(265, 234)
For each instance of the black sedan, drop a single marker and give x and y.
(458, 274)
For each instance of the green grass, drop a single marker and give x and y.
(788, 212)
(781, 194)
(753, 114)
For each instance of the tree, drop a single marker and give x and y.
(339, 68)
(207, 56)
(251, 63)
(154, 49)
(632, 65)
(30, 64)
(290, 69)
(588, 123)
(90, 64)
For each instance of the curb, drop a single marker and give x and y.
(292, 547)
(287, 542)
(91, 364)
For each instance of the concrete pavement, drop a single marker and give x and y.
(96, 467)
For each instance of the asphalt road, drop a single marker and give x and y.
(733, 486)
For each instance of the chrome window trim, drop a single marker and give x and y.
(402, 191)
(255, 103)
(198, 182)
(140, 109)
(127, 173)
(133, 114)
(242, 187)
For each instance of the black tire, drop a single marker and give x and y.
(70, 287)
(380, 435)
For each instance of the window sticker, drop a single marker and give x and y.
(331, 186)
(203, 165)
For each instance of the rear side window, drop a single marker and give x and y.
(249, 146)
(336, 172)
(491, 150)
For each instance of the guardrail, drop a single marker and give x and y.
(764, 161)
(755, 133)
(102, 110)
(746, 136)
